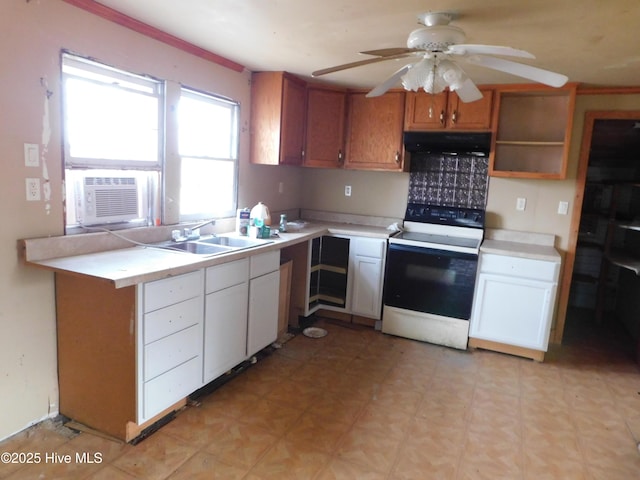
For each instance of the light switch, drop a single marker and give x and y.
(563, 208)
(347, 190)
(31, 155)
(521, 204)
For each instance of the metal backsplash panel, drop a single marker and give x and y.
(449, 180)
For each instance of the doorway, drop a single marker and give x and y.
(605, 285)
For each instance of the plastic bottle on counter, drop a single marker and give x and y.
(283, 223)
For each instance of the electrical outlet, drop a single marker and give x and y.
(347, 190)
(33, 189)
(521, 204)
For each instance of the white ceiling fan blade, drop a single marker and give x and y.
(468, 92)
(470, 49)
(389, 82)
(526, 71)
(338, 68)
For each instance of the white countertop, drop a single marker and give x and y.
(520, 244)
(129, 266)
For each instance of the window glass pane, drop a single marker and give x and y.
(208, 138)
(207, 188)
(206, 128)
(111, 123)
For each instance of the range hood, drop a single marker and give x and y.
(476, 143)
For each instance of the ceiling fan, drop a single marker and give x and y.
(434, 49)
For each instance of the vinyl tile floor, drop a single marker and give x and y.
(358, 404)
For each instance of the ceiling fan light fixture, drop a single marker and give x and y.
(432, 75)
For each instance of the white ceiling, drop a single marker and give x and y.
(593, 42)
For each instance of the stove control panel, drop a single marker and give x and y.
(454, 216)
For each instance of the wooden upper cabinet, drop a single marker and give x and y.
(445, 111)
(326, 112)
(278, 111)
(533, 125)
(374, 131)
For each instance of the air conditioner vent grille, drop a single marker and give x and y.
(111, 202)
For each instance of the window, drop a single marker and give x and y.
(113, 125)
(208, 148)
(114, 151)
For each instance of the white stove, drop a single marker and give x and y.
(431, 274)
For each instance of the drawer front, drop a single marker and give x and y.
(165, 390)
(264, 263)
(168, 291)
(369, 247)
(519, 267)
(226, 275)
(171, 319)
(171, 351)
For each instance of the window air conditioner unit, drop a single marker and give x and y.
(108, 200)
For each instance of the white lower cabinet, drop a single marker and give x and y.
(264, 287)
(225, 320)
(514, 301)
(169, 342)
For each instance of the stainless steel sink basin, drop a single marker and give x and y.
(195, 247)
(234, 242)
(213, 245)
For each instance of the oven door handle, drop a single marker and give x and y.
(397, 247)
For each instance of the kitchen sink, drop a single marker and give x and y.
(215, 245)
(196, 247)
(234, 242)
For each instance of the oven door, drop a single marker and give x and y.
(429, 280)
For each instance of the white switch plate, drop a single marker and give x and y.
(280, 187)
(33, 189)
(347, 190)
(521, 204)
(563, 208)
(31, 155)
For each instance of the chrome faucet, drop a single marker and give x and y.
(191, 233)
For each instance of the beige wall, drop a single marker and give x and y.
(33, 33)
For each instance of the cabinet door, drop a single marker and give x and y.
(325, 127)
(277, 118)
(513, 311)
(424, 111)
(263, 311)
(293, 117)
(472, 115)
(374, 139)
(225, 330)
(367, 286)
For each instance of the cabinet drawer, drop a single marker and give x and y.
(171, 319)
(226, 275)
(369, 247)
(169, 352)
(519, 267)
(168, 291)
(264, 263)
(165, 390)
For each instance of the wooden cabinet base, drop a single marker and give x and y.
(134, 430)
(536, 355)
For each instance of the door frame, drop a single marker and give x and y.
(590, 118)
